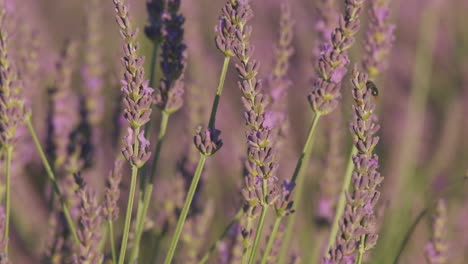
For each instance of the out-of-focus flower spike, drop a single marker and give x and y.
(437, 251)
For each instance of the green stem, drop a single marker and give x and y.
(214, 108)
(52, 179)
(112, 241)
(261, 223)
(9, 154)
(298, 178)
(185, 209)
(362, 246)
(271, 240)
(220, 238)
(154, 62)
(143, 204)
(342, 199)
(131, 197)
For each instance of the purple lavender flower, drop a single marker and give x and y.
(64, 106)
(437, 249)
(112, 192)
(229, 24)
(329, 184)
(169, 95)
(379, 38)
(357, 229)
(261, 164)
(137, 94)
(92, 72)
(12, 110)
(332, 64)
(208, 141)
(154, 30)
(90, 225)
(327, 17)
(278, 80)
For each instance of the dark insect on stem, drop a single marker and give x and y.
(371, 86)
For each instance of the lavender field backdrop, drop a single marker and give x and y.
(233, 131)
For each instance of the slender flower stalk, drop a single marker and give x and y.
(261, 165)
(52, 179)
(437, 249)
(379, 39)
(12, 113)
(168, 98)
(208, 140)
(357, 229)
(324, 97)
(137, 97)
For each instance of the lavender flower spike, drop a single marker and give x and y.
(357, 227)
(154, 30)
(174, 59)
(379, 38)
(90, 225)
(137, 95)
(261, 164)
(12, 110)
(331, 67)
(3, 240)
(437, 249)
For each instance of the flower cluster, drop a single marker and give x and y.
(229, 24)
(90, 225)
(208, 141)
(261, 163)
(169, 95)
(64, 105)
(93, 70)
(437, 248)
(327, 16)
(357, 228)
(379, 38)
(154, 31)
(112, 192)
(278, 80)
(12, 109)
(137, 96)
(332, 65)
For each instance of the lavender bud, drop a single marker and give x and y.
(208, 141)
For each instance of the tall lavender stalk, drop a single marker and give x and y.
(378, 42)
(12, 112)
(208, 140)
(90, 225)
(437, 249)
(325, 94)
(279, 82)
(357, 227)
(261, 165)
(168, 98)
(137, 97)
